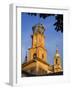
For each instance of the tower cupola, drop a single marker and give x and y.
(38, 28)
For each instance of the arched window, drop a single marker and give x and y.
(34, 56)
(56, 61)
(42, 56)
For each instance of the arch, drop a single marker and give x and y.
(42, 56)
(56, 61)
(34, 56)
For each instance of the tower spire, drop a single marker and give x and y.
(56, 50)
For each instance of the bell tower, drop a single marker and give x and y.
(57, 62)
(38, 43)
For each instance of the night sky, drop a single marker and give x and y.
(53, 39)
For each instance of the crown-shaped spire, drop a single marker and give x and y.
(38, 28)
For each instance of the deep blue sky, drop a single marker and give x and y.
(53, 39)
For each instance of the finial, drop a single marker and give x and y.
(56, 50)
(57, 53)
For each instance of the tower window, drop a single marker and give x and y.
(56, 61)
(42, 56)
(34, 56)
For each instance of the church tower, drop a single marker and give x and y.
(38, 43)
(37, 55)
(57, 62)
(36, 60)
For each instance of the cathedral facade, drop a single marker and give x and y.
(35, 63)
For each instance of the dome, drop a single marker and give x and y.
(57, 55)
